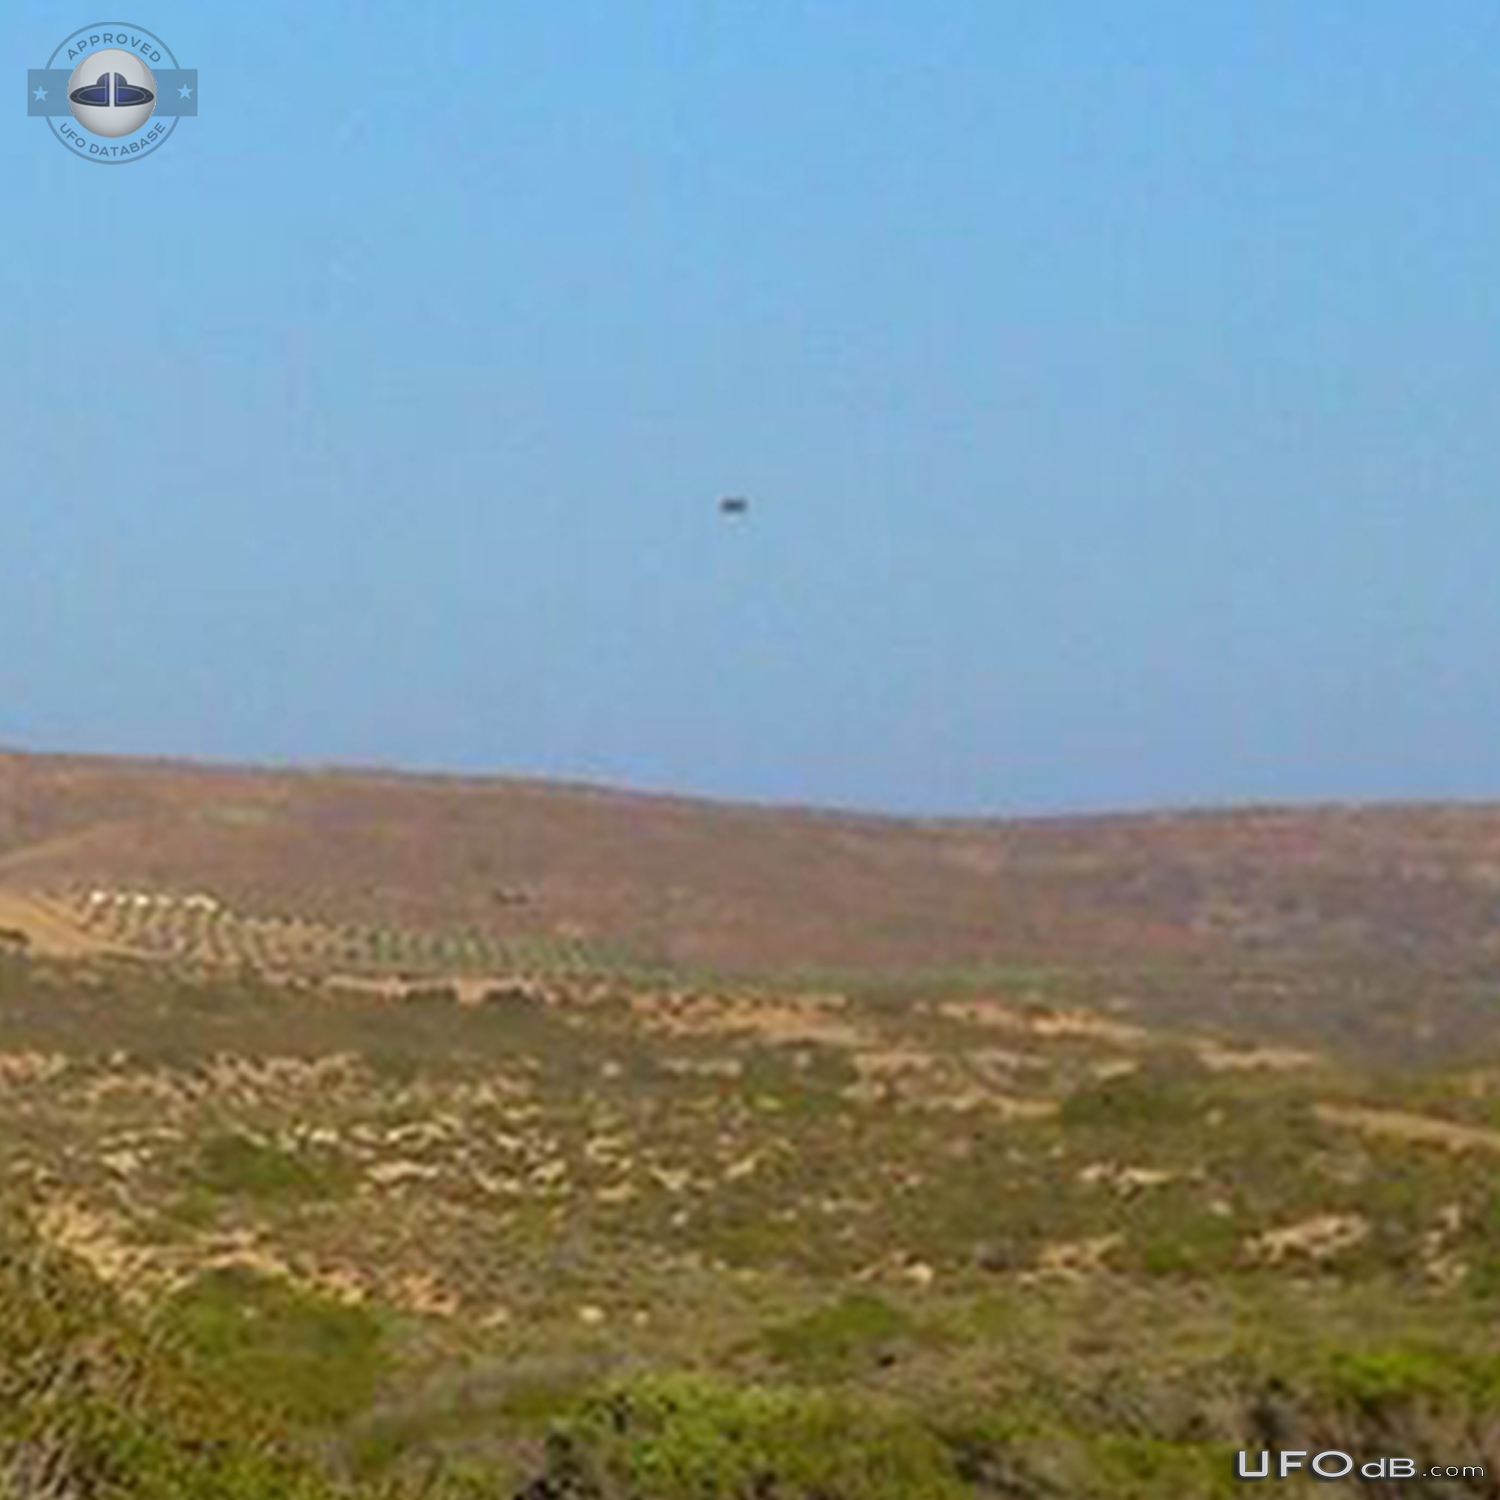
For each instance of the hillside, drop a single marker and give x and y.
(700, 1244)
(1309, 921)
(411, 1138)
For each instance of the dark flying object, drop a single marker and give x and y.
(733, 505)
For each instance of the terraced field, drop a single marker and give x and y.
(201, 931)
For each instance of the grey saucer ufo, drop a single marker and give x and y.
(112, 84)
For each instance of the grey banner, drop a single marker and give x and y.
(53, 86)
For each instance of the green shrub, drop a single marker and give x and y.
(234, 1164)
(1148, 1468)
(1374, 1380)
(1155, 1100)
(689, 1438)
(311, 1359)
(91, 1405)
(1174, 1235)
(840, 1340)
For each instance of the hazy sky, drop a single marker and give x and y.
(1117, 387)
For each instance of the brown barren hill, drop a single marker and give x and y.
(1381, 890)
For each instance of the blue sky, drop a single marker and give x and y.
(1117, 387)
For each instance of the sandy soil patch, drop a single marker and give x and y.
(1400, 1126)
(1317, 1238)
(992, 1013)
(1079, 1257)
(1222, 1059)
(97, 1239)
(1087, 1025)
(1124, 1180)
(802, 1020)
(31, 1067)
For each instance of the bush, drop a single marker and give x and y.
(1123, 1468)
(1154, 1101)
(1385, 1379)
(311, 1359)
(233, 1164)
(840, 1340)
(91, 1405)
(689, 1438)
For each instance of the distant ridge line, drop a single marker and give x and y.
(542, 784)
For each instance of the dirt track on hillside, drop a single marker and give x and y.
(48, 931)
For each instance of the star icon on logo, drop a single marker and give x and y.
(41, 93)
(185, 92)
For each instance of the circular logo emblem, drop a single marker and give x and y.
(112, 92)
